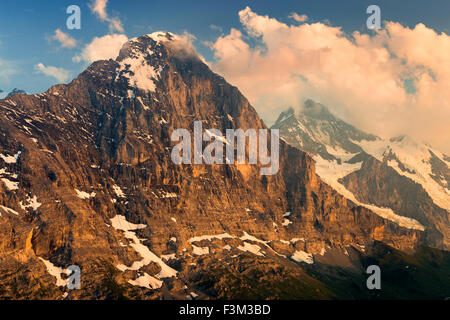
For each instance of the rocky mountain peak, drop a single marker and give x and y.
(157, 46)
(317, 111)
(146, 44)
(285, 115)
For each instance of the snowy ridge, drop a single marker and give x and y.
(340, 149)
(412, 160)
(331, 172)
(136, 68)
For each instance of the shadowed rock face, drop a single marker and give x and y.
(378, 183)
(81, 154)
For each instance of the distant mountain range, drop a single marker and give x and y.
(400, 179)
(16, 91)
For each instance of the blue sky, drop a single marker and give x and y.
(26, 25)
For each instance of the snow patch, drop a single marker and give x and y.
(120, 223)
(331, 172)
(11, 159)
(146, 281)
(199, 251)
(10, 184)
(9, 210)
(118, 191)
(302, 256)
(140, 73)
(211, 237)
(168, 257)
(415, 157)
(253, 248)
(84, 195)
(32, 203)
(56, 272)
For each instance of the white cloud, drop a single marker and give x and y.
(59, 74)
(360, 77)
(8, 69)
(103, 48)
(99, 8)
(216, 28)
(297, 17)
(64, 39)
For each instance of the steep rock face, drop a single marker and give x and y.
(87, 180)
(400, 179)
(378, 183)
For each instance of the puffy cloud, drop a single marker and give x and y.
(396, 81)
(108, 46)
(216, 28)
(99, 8)
(103, 48)
(64, 39)
(297, 17)
(7, 70)
(59, 74)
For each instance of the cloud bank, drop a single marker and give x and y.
(102, 48)
(396, 81)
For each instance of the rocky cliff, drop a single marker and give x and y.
(87, 180)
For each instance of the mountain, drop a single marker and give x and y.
(87, 180)
(402, 180)
(15, 91)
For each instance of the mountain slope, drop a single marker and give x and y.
(400, 179)
(87, 179)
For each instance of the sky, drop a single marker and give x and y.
(279, 53)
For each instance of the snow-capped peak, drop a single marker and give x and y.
(341, 150)
(141, 62)
(161, 36)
